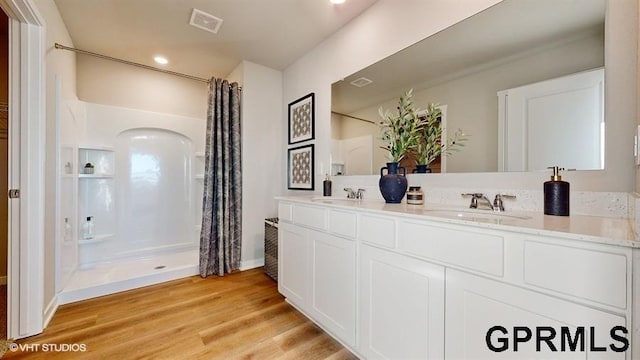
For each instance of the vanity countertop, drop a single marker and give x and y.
(604, 230)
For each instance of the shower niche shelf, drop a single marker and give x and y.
(95, 176)
(96, 239)
(96, 194)
(102, 159)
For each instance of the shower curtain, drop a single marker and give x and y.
(221, 233)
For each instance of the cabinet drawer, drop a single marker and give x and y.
(377, 230)
(583, 273)
(285, 212)
(343, 223)
(313, 217)
(478, 251)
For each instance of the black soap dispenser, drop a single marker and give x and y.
(326, 186)
(556, 194)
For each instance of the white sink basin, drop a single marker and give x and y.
(474, 214)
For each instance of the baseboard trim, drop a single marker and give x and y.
(3, 280)
(251, 264)
(50, 311)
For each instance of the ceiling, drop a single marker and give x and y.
(273, 33)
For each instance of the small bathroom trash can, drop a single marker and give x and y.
(271, 248)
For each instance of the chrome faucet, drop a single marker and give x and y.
(351, 194)
(478, 199)
(497, 201)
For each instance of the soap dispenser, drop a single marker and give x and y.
(326, 186)
(556, 194)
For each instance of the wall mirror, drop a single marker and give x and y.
(508, 59)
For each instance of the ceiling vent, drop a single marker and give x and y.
(204, 21)
(360, 82)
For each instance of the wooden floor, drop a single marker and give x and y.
(239, 316)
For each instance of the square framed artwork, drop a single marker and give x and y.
(302, 119)
(300, 168)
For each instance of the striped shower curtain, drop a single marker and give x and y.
(221, 233)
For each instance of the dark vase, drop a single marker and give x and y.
(393, 185)
(422, 169)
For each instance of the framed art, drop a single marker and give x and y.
(300, 168)
(302, 119)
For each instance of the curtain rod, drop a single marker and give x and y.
(353, 117)
(59, 46)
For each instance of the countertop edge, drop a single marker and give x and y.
(522, 226)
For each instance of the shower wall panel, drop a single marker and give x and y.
(152, 202)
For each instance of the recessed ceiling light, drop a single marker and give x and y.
(337, 1)
(160, 60)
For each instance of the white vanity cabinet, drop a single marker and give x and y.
(401, 306)
(397, 285)
(317, 267)
(475, 304)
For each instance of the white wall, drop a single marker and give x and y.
(261, 138)
(63, 64)
(386, 28)
(111, 83)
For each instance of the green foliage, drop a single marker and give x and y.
(401, 131)
(429, 145)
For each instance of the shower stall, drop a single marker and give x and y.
(136, 178)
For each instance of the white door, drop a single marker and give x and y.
(554, 122)
(26, 284)
(475, 305)
(401, 307)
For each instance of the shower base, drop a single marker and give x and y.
(109, 278)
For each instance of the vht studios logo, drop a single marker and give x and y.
(548, 338)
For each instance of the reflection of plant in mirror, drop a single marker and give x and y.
(429, 145)
(400, 132)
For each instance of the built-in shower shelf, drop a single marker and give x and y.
(96, 239)
(95, 147)
(199, 154)
(95, 176)
(198, 176)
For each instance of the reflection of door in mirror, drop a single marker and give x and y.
(554, 122)
(352, 148)
(352, 156)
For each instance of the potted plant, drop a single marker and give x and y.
(400, 134)
(429, 144)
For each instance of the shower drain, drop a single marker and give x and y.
(159, 267)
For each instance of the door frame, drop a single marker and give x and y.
(25, 290)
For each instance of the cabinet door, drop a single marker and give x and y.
(401, 306)
(294, 270)
(334, 285)
(475, 304)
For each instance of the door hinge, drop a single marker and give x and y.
(14, 193)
